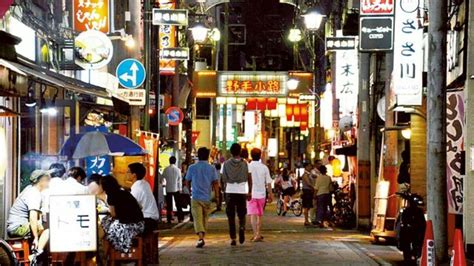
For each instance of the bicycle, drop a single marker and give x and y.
(295, 205)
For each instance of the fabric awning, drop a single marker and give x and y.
(55, 79)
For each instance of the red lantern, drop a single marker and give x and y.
(251, 104)
(261, 104)
(289, 112)
(297, 112)
(272, 104)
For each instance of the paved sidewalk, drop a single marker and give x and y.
(287, 242)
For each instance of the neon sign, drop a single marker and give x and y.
(252, 83)
(91, 15)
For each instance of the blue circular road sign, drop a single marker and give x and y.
(131, 73)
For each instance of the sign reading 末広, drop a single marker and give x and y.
(91, 15)
(252, 83)
(347, 82)
(376, 7)
(376, 34)
(408, 53)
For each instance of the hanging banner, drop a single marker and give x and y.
(167, 39)
(97, 164)
(91, 15)
(408, 53)
(347, 80)
(150, 144)
(455, 151)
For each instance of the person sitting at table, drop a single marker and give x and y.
(73, 183)
(141, 190)
(126, 218)
(94, 188)
(24, 217)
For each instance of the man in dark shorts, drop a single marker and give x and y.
(308, 192)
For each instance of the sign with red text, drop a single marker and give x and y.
(376, 7)
(252, 83)
(91, 15)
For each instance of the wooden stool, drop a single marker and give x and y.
(21, 248)
(60, 258)
(136, 254)
(150, 250)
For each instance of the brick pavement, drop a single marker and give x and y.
(287, 242)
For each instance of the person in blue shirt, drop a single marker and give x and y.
(203, 179)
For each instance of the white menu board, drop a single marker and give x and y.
(73, 223)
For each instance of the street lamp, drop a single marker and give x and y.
(215, 35)
(293, 84)
(199, 32)
(312, 19)
(294, 35)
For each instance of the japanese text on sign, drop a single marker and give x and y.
(170, 17)
(408, 53)
(340, 43)
(91, 15)
(253, 83)
(455, 168)
(235, 86)
(376, 7)
(347, 73)
(167, 39)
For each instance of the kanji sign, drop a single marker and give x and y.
(177, 17)
(252, 83)
(73, 223)
(91, 15)
(347, 81)
(376, 34)
(175, 116)
(133, 96)
(178, 53)
(408, 53)
(98, 165)
(195, 136)
(376, 7)
(341, 43)
(167, 39)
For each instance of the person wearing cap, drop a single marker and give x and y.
(24, 216)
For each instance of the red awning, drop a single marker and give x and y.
(4, 5)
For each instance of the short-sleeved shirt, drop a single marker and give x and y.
(236, 188)
(30, 199)
(260, 179)
(322, 184)
(127, 210)
(201, 175)
(141, 190)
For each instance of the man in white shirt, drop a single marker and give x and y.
(174, 186)
(73, 184)
(261, 185)
(141, 190)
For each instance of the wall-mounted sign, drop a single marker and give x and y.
(340, 43)
(308, 97)
(376, 7)
(93, 49)
(167, 39)
(131, 73)
(376, 34)
(178, 17)
(408, 54)
(175, 116)
(262, 83)
(132, 96)
(178, 53)
(91, 15)
(73, 223)
(347, 81)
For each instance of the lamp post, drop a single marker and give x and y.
(313, 20)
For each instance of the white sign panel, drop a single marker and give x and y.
(347, 80)
(132, 96)
(408, 53)
(73, 223)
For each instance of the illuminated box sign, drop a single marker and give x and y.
(179, 53)
(178, 17)
(308, 97)
(376, 7)
(167, 39)
(340, 43)
(252, 83)
(91, 15)
(376, 34)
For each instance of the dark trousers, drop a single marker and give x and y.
(323, 204)
(169, 206)
(235, 203)
(150, 225)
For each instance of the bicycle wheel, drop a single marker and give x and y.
(279, 207)
(297, 208)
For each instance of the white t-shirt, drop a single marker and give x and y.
(72, 187)
(236, 188)
(56, 186)
(260, 179)
(141, 190)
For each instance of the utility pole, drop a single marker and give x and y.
(436, 157)
(146, 59)
(225, 67)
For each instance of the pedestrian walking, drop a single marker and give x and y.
(261, 184)
(315, 173)
(286, 184)
(238, 179)
(322, 190)
(203, 178)
(308, 192)
(172, 176)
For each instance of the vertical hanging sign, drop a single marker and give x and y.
(347, 76)
(408, 53)
(91, 15)
(167, 37)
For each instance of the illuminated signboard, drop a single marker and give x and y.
(376, 7)
(167, 38)
(177, 17)
(252, 83)
(91, 15)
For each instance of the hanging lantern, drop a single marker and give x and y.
(271, 103)
(297, 112)
(261, 104)
(251, 104)
(289, 112)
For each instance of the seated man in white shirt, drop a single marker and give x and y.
(141, 190)
(74, 183)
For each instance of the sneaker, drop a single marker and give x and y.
(241, 235)
(233, 242)
(200, 243)
(283, 214)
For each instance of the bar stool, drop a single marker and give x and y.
(21, 248)
(60, 258)
(136, 254)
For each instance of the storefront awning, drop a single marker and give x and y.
(55, 79)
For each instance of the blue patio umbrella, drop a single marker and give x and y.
(99, 143)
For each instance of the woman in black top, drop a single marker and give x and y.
(126, 218)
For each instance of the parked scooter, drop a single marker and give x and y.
(410, 227)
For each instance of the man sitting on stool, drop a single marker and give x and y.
(141, 190)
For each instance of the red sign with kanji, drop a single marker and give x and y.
(195, 136)
(376, 7)
(247, 86)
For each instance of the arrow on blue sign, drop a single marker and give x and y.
(131, 73)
